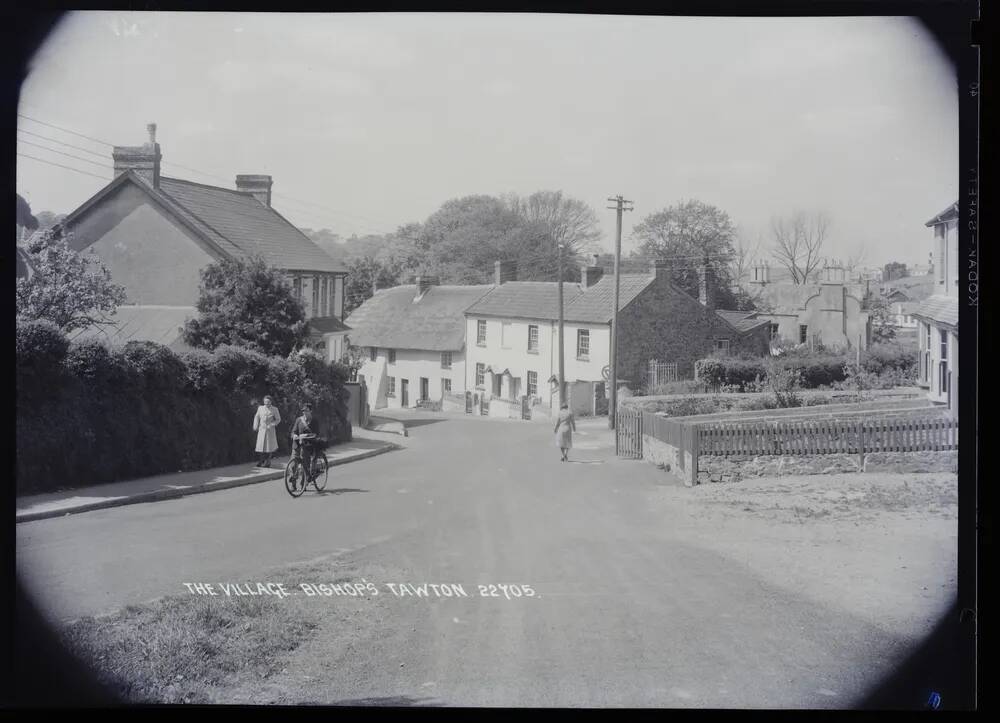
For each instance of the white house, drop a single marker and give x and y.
(937, 316)
(414, 339)
(903, 319)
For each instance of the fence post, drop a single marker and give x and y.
(861, 443)
(692, 472)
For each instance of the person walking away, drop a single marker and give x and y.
(565, 426)
(264, 423)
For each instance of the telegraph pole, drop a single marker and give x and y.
(562, 352)
(620, 205)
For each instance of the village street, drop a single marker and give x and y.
(630, 608)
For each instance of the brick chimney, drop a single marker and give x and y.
(142, 160)
(425, 282)
(662, 269)
(259, 186)
(706, 289)
(504, 271)
(591, 272)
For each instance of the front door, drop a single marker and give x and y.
(404, 392)
(424, 389)
(497, 382)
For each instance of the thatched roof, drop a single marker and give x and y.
(397, 318)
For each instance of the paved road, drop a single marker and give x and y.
(629, 613)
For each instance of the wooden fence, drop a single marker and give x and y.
(845, 435)
(628, 434)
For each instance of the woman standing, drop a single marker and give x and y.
(264, 422)
(565, 426)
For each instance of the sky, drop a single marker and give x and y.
(370, 121)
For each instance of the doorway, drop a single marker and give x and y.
(404, 392)
(424, 389)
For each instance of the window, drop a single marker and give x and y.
(373, 353)
(803, 333)
(533, 338)
(927, 336)
(505, 334)
(392, 387)
(774, 331)
(722, 346)
(446, 386)
(315, 290)
(325, 297)
(532, 384)
(481, 332)
(333, 296)
(480, 376)
(446, 360)
(582, 343)
(944, 344)
(297, 287)
(392, 356)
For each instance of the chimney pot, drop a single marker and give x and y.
(151, 129)
(591, 273)
(257, 184)
(706, 289)
(142, 160)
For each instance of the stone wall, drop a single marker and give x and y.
(735, 468)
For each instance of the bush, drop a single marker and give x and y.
(90, 414)
(888, 357)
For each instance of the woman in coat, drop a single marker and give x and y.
(264, 422)
(565, 426)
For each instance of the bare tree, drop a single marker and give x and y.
(564, 220)
(743, 258)
(798, 243)
(855, 259)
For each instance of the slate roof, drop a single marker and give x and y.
(540, 300)
(328, 324)
(947, 215)
(144, 323)
(233, 222)
(393, 319)
(941, 309)
(525, 300)
(248, 226)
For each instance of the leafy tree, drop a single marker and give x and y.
(883, 323)
(246, 303)
(25, 219)
(72, 290)
(689, 233)
(363, 275)
(894, 270)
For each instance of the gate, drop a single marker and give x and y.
(525, 408)
(660, 373)
(468, 402)
(628, 434)
(484, 406)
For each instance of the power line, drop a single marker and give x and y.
(62, 153)
(65, 130)
(63, 143)
(68, 168)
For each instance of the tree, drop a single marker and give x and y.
(880, 312)
(689, 233)
(894, 270)
(363, 275)
(26, 221)
(798, 243)
(72, 290)
(249, 304)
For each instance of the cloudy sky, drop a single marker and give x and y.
(370, 121)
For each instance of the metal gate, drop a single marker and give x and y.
(628, 434)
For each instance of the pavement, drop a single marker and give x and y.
(634, 606)
(180, 484)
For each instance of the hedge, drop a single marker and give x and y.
(896, 362)
(88, 414)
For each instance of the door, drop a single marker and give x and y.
(497, 382)
(424, 389)
(404, 392)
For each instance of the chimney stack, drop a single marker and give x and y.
(504, 271)
(258, 185)
(706, 289)
(142, 160)
(662, 269)
(591, 272)
(425, 282)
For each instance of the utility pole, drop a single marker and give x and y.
(620, 205)
(562, 348)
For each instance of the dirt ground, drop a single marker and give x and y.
(879, 545)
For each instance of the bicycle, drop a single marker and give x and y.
(296, 477)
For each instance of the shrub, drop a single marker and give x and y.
(41, 345)
(886, 357)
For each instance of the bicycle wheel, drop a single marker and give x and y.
(321, 470)
(293, 473)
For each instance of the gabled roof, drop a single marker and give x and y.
(525, 300)
(742, 321)
(161, 324)
(233, 223)
(397, 319)
(595, 303)
(948, 214)
(939, 309)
